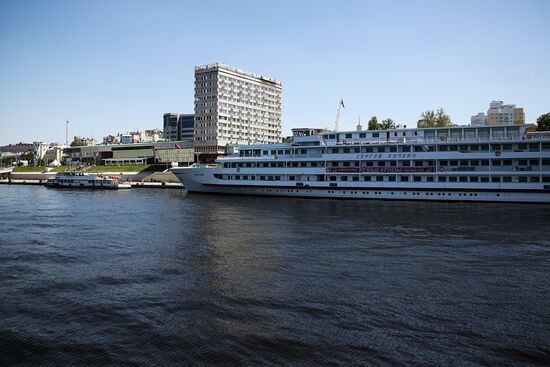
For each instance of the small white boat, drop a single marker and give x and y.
(81, 180)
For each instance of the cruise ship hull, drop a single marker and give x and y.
(202, 180)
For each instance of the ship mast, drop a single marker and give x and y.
(340, 106)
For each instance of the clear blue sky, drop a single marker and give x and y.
(114, 66)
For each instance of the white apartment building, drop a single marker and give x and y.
(500, 114)
(479, 119)
(235, 107)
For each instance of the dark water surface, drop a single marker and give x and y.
(158, 277)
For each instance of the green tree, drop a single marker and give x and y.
(387, 124)
(373, 123)
(543, 122)
(434, 119)
(442, 119)
(427, 119)
(28, 156)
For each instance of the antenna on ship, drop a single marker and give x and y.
(359, 127)
(340, 106)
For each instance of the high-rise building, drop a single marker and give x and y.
(504, 114)
(500, 114)
(234, 107)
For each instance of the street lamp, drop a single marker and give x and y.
(67, 132)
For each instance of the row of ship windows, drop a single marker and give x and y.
(392, 163)
(78, 181)
(520, 147)
(460, 194)
(389, 178)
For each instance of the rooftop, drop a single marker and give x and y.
(219, 65)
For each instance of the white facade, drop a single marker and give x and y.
(40, 149)
(479, 119)
(235, 107)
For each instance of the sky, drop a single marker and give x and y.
(112, 66)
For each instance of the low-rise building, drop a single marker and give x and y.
(134, 153)
(178, 127)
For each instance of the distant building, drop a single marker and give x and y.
(111, 139)
(479, 119)
(40, 148)
(170, 126)
(178, 127)
(147, 136)
(17, 148)
(83, 141)
(234, 107)
(500, 114)
(186, 127)
(126, 139)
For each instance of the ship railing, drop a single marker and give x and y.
(273, 156)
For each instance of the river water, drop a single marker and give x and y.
(159, 277)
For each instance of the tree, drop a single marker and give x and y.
(434, 119)
(387, 124)
(543, 122)
(427, 119)
(29, 157)
(373, 123)
(442, 119)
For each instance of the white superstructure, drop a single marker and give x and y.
(81, 180)
(501, 163)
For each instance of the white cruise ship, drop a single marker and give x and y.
(461, 163)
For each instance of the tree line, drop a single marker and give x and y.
(428, 118)
(439, 118)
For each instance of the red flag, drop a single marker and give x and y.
(178, 146)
